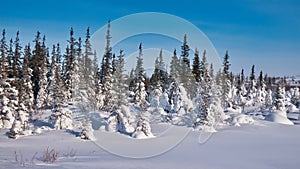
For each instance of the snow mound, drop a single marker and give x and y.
(234, 110)
(242, 119)
(278, 117)
(291, 108)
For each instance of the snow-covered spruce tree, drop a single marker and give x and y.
(225, 83)
(51, 78)
(61, 118)
(179, 104)
(279, 99)
(16, 60)
(57, 90)
(70, 67)
(38, 65)
(251, 92)
(269, 99)
(295, 96)
(120, 117)
(139, 81)
(11, 101)
(25, 98)
(8, 97)
(215, 115)
(261, 90)
(43, 80)
(196, 66)
(158, 96)
(203, 95)
(26, 93)
(87, 130)
(278, 113)
(143, 129)
(186, 76)
(159, 78)
(3, 54)
(174, 67)
(106, 73)
(88, 70)
(94, 87)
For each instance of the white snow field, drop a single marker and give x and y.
(260, 144)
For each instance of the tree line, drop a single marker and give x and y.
(37, 77)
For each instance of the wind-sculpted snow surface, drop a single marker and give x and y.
(263, 146)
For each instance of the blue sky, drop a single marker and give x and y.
(261, 32)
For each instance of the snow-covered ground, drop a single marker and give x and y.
(264, 145)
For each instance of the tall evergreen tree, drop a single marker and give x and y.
(106, 72)
(139, 88)
(3, 57)
(186, 76)
(10, 55)
(17, 57)
(185, 52)
(204, 94)
(174, 66)
(38, 64)
(26, 93)
(196, 66)
(70, 66)
(159, 78)
(225, 83)
(252, 75)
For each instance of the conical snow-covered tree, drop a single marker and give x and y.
(225, 82)
(71, 67)
(39, 73)
(174, 66)
(143, 129)
(106, 73)
(185, 74)
(179, 104)
(159, 78)
(119, 119)
(139, 88)
(61, 118)
(16, 60)
(279, 99)
(9, 103)
(269, 99)
(3, 56)
(87, 132)
(251, 93)
(204, 94)
(295, 96)
(26, 93)
(261, 91)
(196, 66)
(215, 115)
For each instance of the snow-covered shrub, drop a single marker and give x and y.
(278, 112)
(120, 121)
(61, 118)
(20, 125)
(239, 119)
(154, 98)
(143, 129)
(87, 132)
(268, 99)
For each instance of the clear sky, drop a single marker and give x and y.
(261, 32)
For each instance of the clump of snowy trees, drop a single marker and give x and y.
(194, 95)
